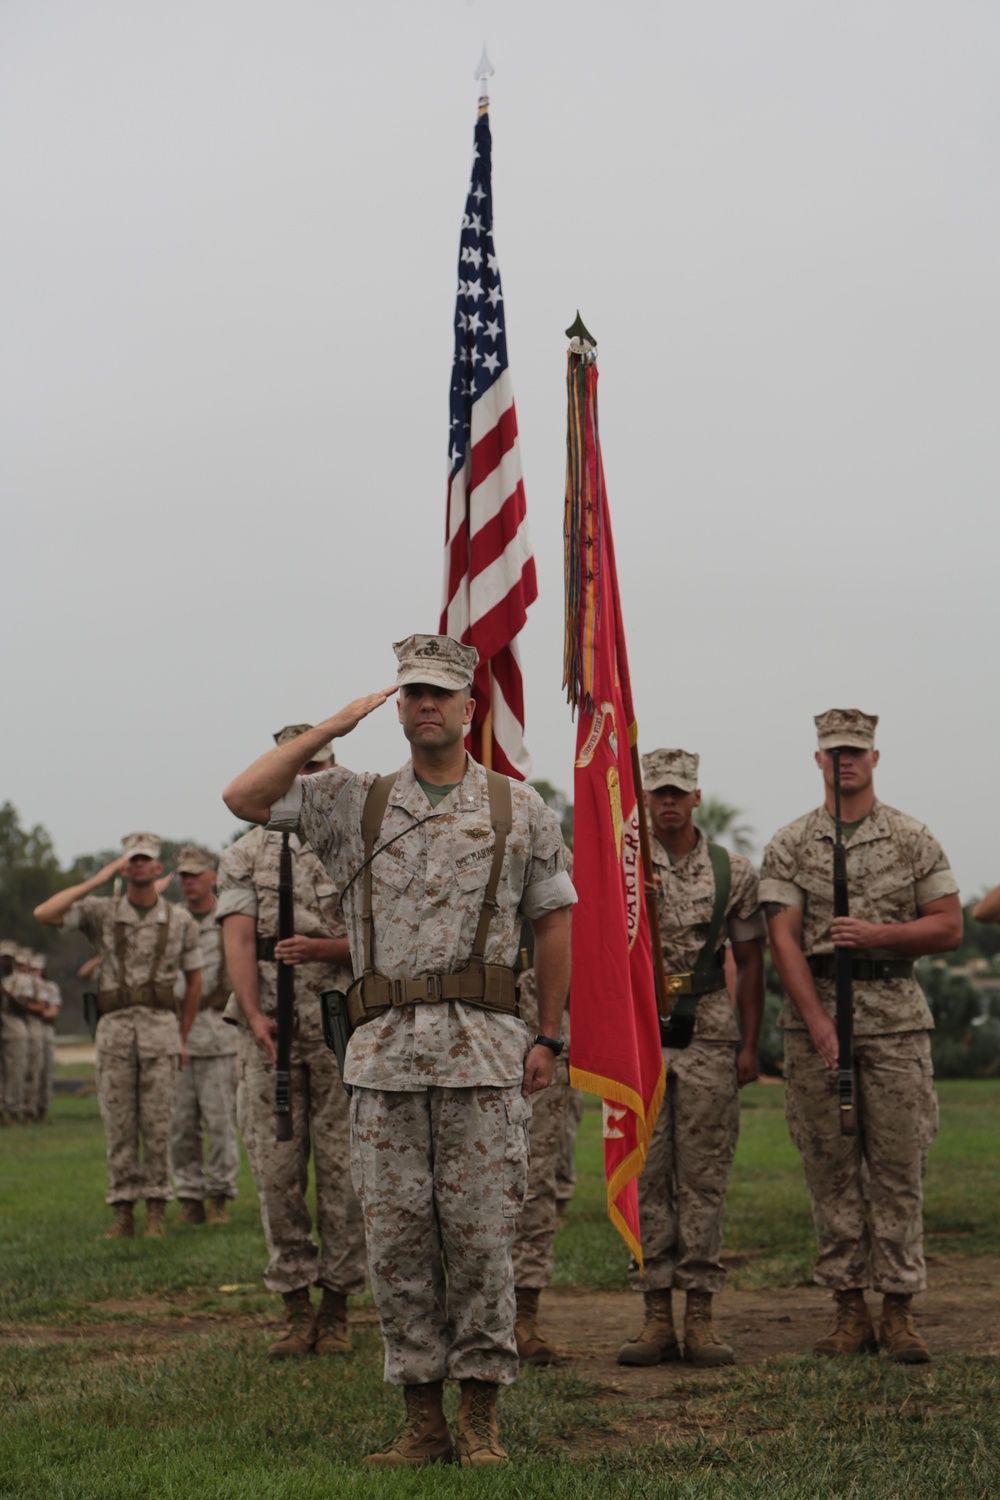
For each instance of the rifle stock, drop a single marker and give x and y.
(842, 970)
(286, 999)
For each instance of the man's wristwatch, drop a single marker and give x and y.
(553, 1044)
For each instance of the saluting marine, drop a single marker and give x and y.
(143, 943)
(437, 866)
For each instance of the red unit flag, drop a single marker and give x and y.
(616, 1049)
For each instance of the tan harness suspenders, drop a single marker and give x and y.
(154, 996)
(477, 982)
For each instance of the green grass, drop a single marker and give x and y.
(126, 1370)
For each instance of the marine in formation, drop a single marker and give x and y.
(437, 866)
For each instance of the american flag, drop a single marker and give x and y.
(489, 572)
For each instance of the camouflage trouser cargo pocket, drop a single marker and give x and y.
(516, 1152)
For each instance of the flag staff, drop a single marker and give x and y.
(483, 74)
(584, 345)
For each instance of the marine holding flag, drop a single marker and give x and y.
(616, 1036)
(489, 572)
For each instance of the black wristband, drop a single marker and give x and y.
(552, 1043)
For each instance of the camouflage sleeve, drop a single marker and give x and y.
(191, 947)
(85, 916)
(236, 892)
(326, 807)
(744, 920)
(548, 886)
(932, 870)
(777, 874)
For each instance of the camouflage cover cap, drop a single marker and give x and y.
(437, 659)
(670, 768)
(23, 956)
(141, 843)
(292, 732)
(8, 948)
(38, 961)
(194, 861)
(845, 726)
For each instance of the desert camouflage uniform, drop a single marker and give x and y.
(37, 1048)
(248, 886)
(866, 1190)
(14, 1037)
(206, 1088)
(536, 1228)
(49, 992)
(137, 1047)
(439, 1126)
(682, 1189)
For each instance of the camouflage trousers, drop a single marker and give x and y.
(682, 1189)
(536, 1228)
(866, 1190)
(441, 1175)
(34, 1067)
(566, 1165)
(281, 1169)
(15, 1061)
(136, 1095)
(205, 1106)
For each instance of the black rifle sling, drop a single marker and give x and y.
(502, 821)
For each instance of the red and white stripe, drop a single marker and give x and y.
(489, 573)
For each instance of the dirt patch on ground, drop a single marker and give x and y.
(959, 1314)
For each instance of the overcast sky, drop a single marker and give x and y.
(227, 282)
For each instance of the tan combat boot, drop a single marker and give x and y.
(702, 1345)
(156, 1216)
(332, 1336)
(300, 1335)
(477, 1441)
(124, 1226)
(425, 1439)
(532, 1348)
(656, 1342)
(852, 1331)
(897, 1333)
(192, 1211)
(216, 1211)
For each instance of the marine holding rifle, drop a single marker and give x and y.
(319, 958)
(866, 1183)
(437, 866)
(706, 899)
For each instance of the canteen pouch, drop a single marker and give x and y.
(336, 1028)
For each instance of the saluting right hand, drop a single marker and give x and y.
(115, 867)
(350, 717)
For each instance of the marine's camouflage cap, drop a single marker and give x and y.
(292, 732)
(845, 726)
(670, 768)
(141, 843)
(8, 948)
(38, 960)
(437, 659)
(24, 956)
(194, 861)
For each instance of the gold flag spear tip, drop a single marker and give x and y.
(582, 341)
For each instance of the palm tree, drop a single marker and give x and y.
(719, 822)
